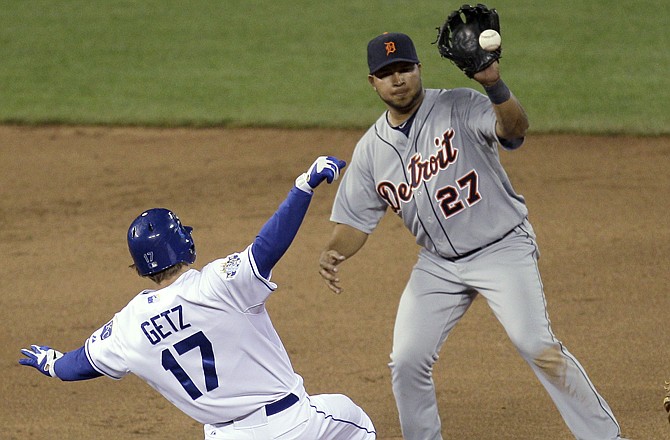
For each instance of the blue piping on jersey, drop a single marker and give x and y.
(348, 422)
(260, 277)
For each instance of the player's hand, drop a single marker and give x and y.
(328, 261)
(41, 358)
(324, 168)
(488, 76)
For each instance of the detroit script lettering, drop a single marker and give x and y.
(419, 171)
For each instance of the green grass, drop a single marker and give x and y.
(586, 67)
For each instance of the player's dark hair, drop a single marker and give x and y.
(161, 276)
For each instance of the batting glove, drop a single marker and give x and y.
(42, 358)
(324, 168)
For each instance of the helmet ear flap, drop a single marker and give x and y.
(157, 240)
(189, 254)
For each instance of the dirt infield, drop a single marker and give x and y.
(599, 206)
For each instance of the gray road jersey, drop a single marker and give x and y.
(444, 180)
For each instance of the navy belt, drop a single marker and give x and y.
(272, 408)
(281, 404)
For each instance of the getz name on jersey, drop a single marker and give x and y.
(153, 328)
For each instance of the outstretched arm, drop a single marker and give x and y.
(73, 365)
(512, 121)
(344, 242)
(278, 233)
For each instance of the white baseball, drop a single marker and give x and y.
(489, 40)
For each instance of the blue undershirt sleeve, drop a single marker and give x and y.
(278, 232)
(74, 365)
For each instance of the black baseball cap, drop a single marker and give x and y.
(390, 48)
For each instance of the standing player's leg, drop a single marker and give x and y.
(425, 317)
(510, 282)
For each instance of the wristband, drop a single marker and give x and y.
(498, 92)
(301, 182)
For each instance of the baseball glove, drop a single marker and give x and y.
(666, 401)
(458, 38)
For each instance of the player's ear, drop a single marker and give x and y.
(371, 80)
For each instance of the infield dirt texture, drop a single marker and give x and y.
(67, 195)
(598, 204)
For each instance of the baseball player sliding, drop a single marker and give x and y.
(204, 340)
(432, 158)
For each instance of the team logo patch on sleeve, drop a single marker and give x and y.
(106, 331)
(230, 265)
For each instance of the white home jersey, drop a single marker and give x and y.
(205, 342)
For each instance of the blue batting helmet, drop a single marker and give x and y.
(157, 240)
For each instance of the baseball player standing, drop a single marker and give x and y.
(432, 158)
(204, 339)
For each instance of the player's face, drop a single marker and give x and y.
(399, 86)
